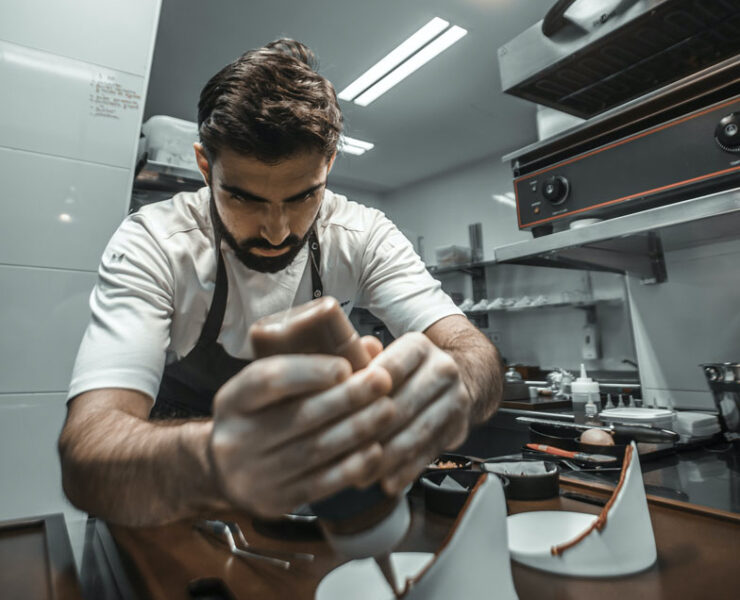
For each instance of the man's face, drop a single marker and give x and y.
(265, 211)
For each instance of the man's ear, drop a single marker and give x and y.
(203, 165)
(331, 163)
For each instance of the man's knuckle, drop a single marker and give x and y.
(445, 368)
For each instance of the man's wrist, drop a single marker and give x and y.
(194, 441)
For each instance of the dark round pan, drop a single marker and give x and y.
(540, 433)
(450, 502)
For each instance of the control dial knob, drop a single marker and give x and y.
(727, 134)
(555, 189)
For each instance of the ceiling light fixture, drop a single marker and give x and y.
(354, 146)
(439, 45)
(394, 58)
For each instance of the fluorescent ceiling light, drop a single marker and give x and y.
(359, 143)
(354, 146)
(353, 150)
(394, 58)
(419, 59)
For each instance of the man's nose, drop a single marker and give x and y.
(275, 227)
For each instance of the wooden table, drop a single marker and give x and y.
(698, 557)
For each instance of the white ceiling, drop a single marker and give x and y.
(448, 114)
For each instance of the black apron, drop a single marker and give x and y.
(189, 385)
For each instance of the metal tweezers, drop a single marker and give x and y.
(229, 533)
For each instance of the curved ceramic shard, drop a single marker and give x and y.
(568, 543)
(477, 544)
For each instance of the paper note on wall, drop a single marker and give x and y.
(109, 99)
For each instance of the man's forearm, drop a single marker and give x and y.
(480, 369)
(477, 359)
(135, 472)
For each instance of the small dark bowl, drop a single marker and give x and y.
(450, 502)
(461, 462)
(539, 433)
(531, 487)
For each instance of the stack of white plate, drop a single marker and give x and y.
(696, 425)
(657, 417)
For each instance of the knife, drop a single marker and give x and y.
(580, 456)
(639, 433)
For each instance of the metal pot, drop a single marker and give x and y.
(724, 381)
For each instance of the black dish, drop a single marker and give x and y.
(461, 462)
(447, 501)
(531, 487)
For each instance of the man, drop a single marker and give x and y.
(167, 418)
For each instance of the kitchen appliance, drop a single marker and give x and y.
(724, 381)
(587, 56)
(658, 82)
(670, 145)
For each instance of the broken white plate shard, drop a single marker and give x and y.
(517, 468)
(476, 544)
(448, 483)
(619, 541)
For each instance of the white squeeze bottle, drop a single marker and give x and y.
(585, 396)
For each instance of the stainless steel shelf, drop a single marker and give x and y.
(531, 307)
(633, 243)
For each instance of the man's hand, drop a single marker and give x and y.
(293, 429)
(433, 408)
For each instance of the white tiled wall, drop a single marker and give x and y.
(115, 33)
(66, 107)
(30, 477)
(44, 314)
(73, 77)
(58, 212)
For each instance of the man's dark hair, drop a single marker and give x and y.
(270, 104)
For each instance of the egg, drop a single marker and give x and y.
(597, 437)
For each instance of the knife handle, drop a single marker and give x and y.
(646, 434)
(551, 450)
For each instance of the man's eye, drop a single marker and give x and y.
(303, 198)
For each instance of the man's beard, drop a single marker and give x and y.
(263, 264)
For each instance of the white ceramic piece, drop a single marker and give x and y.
(477, 545)
(386, 534)
(625, 545)
(362, 580)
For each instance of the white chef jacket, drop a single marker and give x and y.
(158, 272)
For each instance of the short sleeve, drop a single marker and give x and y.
(395, 285)
(126, 340)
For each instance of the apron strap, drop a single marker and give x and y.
(315, 259)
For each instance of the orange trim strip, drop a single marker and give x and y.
(629, 139)
(645, 193)
(516, 202)
(600, 521)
